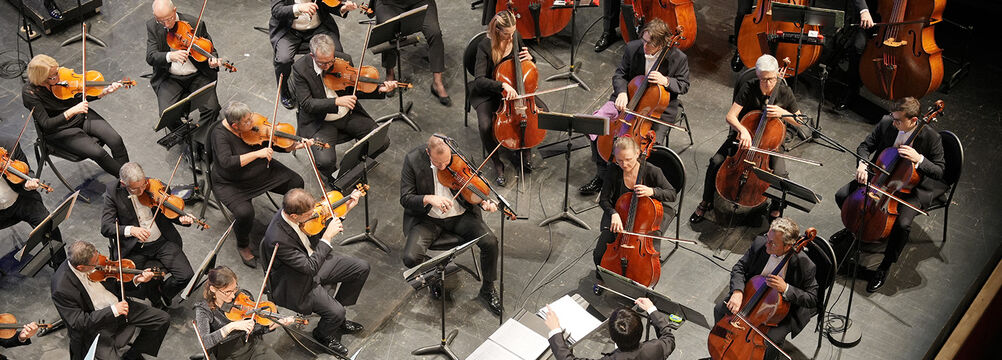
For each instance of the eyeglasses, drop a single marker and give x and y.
(236, 288)
(769, 79)
(323, 64)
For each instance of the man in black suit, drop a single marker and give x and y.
(21, 202)
(304, 267)
(294, 22)
(21, 337)
(796, 282)
(925, 152)
(429, 209)
(639, 57)
(175, 73)
(92, 309)
(324, 113)
(625, 329)
(145, 241)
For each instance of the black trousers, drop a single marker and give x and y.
(243, 210)
(776, 334)
(152, 323)
(610, 15)
(777, 164)
(356, 125)
(468, 226)
(29, 209)
(431, 30)
(175, 88)
(351, 273)
(744, 8)
(164, 254)
(900, 231)
(285, 51)
(83, 141)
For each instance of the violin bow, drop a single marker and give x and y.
(274, 114)
(261, 292)
(121, 279)
(194, 33)
(83, 64)
(10, 153)
(760, 333)
(201, 344)
(323, 189)
(361, 60)
(161, 204)
(683, 241)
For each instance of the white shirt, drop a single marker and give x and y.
(145, 215)
(331, 94)
(181, 69)
(444, 191)
(649, 62)
(771, 265)
(303, 20)
(302, 236)
(7, 195)
(99, 296)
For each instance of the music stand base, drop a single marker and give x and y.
(566, 216)
(401, 117)
(849, 338)
(442, 348)
(368, 235)
(570, 75)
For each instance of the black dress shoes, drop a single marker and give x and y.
(604, 41)
(877, 281)
(444, 100)
(287, 103)
(699, 214)
(351, 327)
(490, 297)
(53, 10)
(736, 64)
(334, 345)
(592, 187)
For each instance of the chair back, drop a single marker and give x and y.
(671, 165)
(823, 256)
(742, 77)
(953, 152)
(470, 54)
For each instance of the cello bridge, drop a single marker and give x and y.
(891, 42)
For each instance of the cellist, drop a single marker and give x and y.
(796, 282)
(752, 96)
(926, 152)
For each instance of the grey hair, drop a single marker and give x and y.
(790, 230)
(131, 172)
(321, 44)
(766, 63)
(80, 252)
(235, 111)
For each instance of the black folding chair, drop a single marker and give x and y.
(674, 170)
(470, 63)
(953, 151)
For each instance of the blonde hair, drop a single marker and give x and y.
(624, 143)
(38, 69)
(502, 20)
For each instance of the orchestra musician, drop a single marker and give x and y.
(626, 330)
(93, 309)
(71, 123)
(624, 178)
(318, 115)
(175, 74)
(857, 45)
(752, 96)
(148, 242)
(295, 22)
(21, 202)
(22, 337)
(639, 57)
(926, 153)
(796, 282)
(243, 172)
(386, 9)
(429, 209)
(305, 268)
(223, 337)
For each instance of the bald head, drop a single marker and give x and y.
(439, 152)
(162, 8)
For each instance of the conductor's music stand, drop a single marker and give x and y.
(802, 199)
(626, 287)
(392, 29)
(182, 128)
(584, 124)
(52, 252)
(358, 155)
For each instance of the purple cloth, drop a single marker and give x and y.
(607, 110)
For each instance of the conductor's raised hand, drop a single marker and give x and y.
(552, 322)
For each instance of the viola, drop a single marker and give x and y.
(182, 37)
(285, 134)
(631, 255)
(536, 19)
(760, 24)
(71, 84)
(9, 326)
(459, 176)
(342, 76)
(338, 202)
(869, 211)
(243, 307)
(17, 170)
(105, 269)
(516, 121)
(741, 335)
(903, 59)
(361, 7)
(172, 206)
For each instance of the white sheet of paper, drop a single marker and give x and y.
(520, 340)
(573, 318)
(490, 350)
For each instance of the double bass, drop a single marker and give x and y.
(758, 25)
(535, 19)
(676, 14)
(741, 335)
(903, 59)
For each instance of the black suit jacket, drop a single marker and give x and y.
(157, 49)
(928, 143)
(118, 206)
(83, 322)
(415, 182)
(292, 275)
(308, 90)
(803, 286)
(658, 348)
(282, 16)
(13, 342)
(675, 66)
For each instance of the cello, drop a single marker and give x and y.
(515, 122)
(535, 19)
(742, 335)
(903, 59)
(758, 25)
(871, 210)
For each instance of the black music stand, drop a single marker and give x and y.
(207, 264)
(52, 252)
(392, 29)
(78, 37)
(176, 118)
(570, 75)
(802, 16)
(358, 155)
(438, 264)
(585, 124)
(626, 287)
(802, 199)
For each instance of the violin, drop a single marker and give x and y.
(284, 134)
(342, 76)
(459, 176)
(742, 335)
(516, 121)
(338, 202)
(869, 211)
(361, 7)
(535, 19)
(243, 307)
(903, 59)
(182, 37)
(758, 25)
(71, 84)
(676, 14)
(172, 206)
(17, 170)
(105, 269)
(9, 326)
(631, 255)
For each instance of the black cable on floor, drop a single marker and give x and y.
(10, 69)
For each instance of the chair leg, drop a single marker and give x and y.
(946, 222)
(476, 265)
(466, 99)
(273, 203)
(687, 128)
(58, 174)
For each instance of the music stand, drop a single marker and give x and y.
(626, 287)
(358, 155)
(802, 199)
(584, 124)
(394, 28)
(803, 16)
(570, 75)
(52, 252)
(204, 267)
(438, 263)
(178, 114)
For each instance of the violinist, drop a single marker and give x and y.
(430, 209)
(639, 57)
(71, 123)
(21, 202)
(796, 282)
(926, 153)
(148, 242)
(295, 22)
(318, 114)
(624, 178)
(175, 73)
(90, 308)
(752, 96)
(626, 330)
(305, 268)
(223, 337)
(22, 337)
(243, 172)
(386, 9)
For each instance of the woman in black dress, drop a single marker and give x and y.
(223, 337)
(241, 172)
(71, 123)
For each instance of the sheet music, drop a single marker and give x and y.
(575, 320)
(520, 340)
(490, 350)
